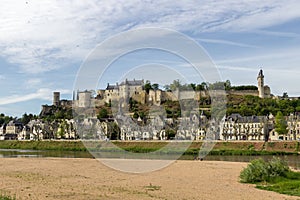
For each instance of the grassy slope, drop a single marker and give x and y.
(220, 148)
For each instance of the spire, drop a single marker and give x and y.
(261, 74)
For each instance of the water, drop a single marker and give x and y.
(293, 160)
(17, 153)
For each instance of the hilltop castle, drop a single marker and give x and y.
(135, 89)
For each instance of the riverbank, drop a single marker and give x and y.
(220, 148)
(59, 178)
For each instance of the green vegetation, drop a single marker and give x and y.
(57, 112)
(221, 148)
(4, 119)
(43, 145)
(5, 197)
(280, 124)
(260, 171)
(273, 175)
(148, 86)
(246, 105)
(243, 87)
(151, 187)
(252, 105)
(103, 113)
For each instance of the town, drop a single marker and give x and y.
(62, 119)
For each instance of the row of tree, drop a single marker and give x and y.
(220, 85)
(4, 119)
(252, 105)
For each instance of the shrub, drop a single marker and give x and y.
(277, 167)
(259, 170)
(256, 171)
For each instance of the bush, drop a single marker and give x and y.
(259, 170)
(277, 167)
(256, 171)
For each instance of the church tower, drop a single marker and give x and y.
(260, 80)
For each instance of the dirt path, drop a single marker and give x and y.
(59, 178)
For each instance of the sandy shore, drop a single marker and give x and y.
(59, 178)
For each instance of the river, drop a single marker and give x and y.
(293, 160)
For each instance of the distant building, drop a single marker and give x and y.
(84, 99)
(123, 91)
(3, 129)
(56, 98)
(264, 91)
(14, 127)
(237, 127)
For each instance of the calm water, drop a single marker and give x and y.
(293, 160)
(13, 153)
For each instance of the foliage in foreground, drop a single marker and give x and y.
(259, 170)
(273, 175)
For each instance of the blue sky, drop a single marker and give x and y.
(44, 43)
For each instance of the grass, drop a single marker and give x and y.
(220, 148)
(273, 175)
(151, 187)
(285, 185)
(43, 145)
(4, 197)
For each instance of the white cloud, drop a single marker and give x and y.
(41, 36)
(282, 54)
(235, 68)
(33, 82)
(44, 94)
(2, 77)
(227, 42)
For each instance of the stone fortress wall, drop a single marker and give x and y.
(135, 89)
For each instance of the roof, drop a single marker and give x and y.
(246, 119)
(14, 123)
(260, 73)
(133, 82)
(111, 87)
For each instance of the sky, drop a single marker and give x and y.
(44, 44)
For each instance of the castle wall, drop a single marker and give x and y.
(267, 91)
(244, 92)
(141, 97)
(168, 96)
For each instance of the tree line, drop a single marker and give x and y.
(219, 85)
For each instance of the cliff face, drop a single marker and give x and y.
(61, 112)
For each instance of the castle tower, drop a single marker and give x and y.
(84, 99)
(260, 80)
(56, 98)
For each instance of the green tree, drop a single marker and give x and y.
(285, 95)
(170, 133)
(175, 85)
(227, 85)
(135, 115)
(147, 86)
(26, 118)
(280, 123)
(155, 86)
(102, 113)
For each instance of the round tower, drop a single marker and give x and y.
(260, 86)
(56, 98)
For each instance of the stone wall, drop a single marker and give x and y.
(243, 92)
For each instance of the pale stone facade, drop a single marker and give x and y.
(237, 127)
(264, 91)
